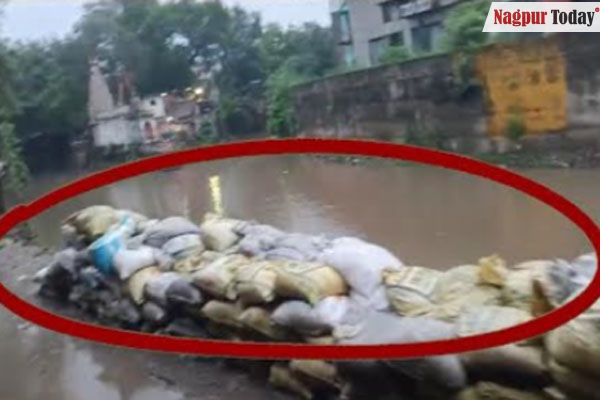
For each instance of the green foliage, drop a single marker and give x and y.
(281, 121)
(463, 26)
(395, 54)
(515, 128)
(17, 174)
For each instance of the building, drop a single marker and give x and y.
(110, 124)
(365, 28)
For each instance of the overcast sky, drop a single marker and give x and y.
(35, 19)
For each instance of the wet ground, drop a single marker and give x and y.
(425, 215)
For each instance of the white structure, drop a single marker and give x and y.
(110, 125)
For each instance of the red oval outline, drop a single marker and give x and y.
(143, 341)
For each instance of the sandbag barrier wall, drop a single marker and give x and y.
(240, 280)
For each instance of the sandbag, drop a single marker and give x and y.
(385, 328)
(94, 221)
(554, 285)
(317, 373)
(585, 266)
(127, 262)
(328, 340)
(485, 319)
(450, 310)
(361, 265)
(576, 344)
(136, 284)
(300, 316)
(281, 377)
(71, 238)
(410, 288)
(576, 385)
(161, 232)
(218, 233)
(522, 366)
(518, 287)
(456, 282)
(140, 221)
(255, 283)
(493, 391)
(223, 313)
(171, 288)
(308, 281)
(195, 261)
(492, 271)
(180, 247)
(154, 313)
(259, 320)
(103, 250)
(258, 239)
(217, 277)
(296, 247)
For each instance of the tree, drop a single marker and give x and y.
(463, 26)
(394, 54)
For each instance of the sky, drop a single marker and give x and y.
(39, 19)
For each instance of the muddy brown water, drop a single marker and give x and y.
(425, 215)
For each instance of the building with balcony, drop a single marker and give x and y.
(365, 28)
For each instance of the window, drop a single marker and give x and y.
(376, 49)
(348, 54)
(386, 9)
(422, 38)
(396, 39)
(341, 26)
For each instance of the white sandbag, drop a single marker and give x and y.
(139, 220)
(410, 288)
(553, 285)
(310, 281)
(172, 288)
(161, 232)
(298, 247)
(127, 261)
(585, 266)
(195, 261)
(386, 328)
(218, 233)
(361, 265)
(181, 246)
(217, 278)
(492, 271)
(456, 282)
(257, 239)
(301, 317)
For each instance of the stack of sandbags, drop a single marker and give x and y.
(306, 378)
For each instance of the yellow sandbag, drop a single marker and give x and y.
(576, 344)
(455, 283)
(492, 271)
(281, 377)
(223, 313)
(137, 283)
(195, 261)
(485, 319)
(449, 311)
(259, 320)
(255, 283)
(217, 277)
(573, 383)
(320, 340)
(317, 373)
(518, 286)
(410, 288)
(93, 221)
(218, 233)
(493, 391)
(308, 281)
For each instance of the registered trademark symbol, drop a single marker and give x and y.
(597, 9)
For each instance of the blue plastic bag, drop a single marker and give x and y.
(104, 249)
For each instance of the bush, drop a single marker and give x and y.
(395, 54)
(515, 128)
(281, 121)
(17, 173)
(463, 26)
